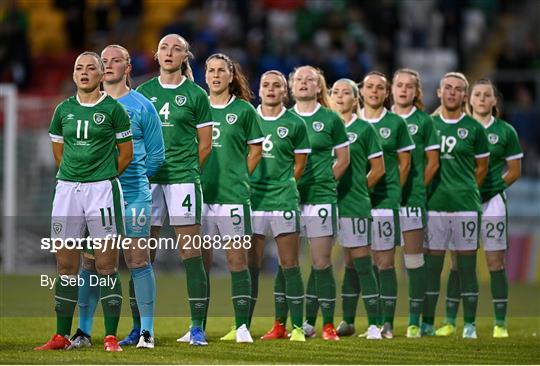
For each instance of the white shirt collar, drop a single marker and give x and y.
(171, 86)
(222, 106)
(354, 117)
(491, 121)
(452, 121)
(103, 95)
(405, 116)
(372, 120)
(308, 114)
(259, 110)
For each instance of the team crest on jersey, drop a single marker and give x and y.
(352, 137)
(57, 227)
(318, 126)
(385, 132)
(493, 138)
(462, 133)
(231, 118)
(282, 132)
(99, 118)
(180, 100)
(413, 129)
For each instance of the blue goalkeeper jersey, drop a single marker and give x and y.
(148, 148)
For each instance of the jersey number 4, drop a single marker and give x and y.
(164, 111)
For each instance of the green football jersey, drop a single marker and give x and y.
(454, 186)
(503, 145)
(425, 138)
(353, 194)
(225, 177)
(182, 108)
(90, 133)
(273, 186)
(326, 132)
(395, 138)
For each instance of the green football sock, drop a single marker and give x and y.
(499, 293)
(197, 289)
(294, 289)
(241, 296)
(65, 297)
(326, 293)
(350, 291)
(417, 289)
(469, 286)
(280, 300)
(453, 297)
(388, 294)
(254, 275)
(133, 305)
(111, 300)
(434, 265)
(312, 303)
(207, 297)
(370, 292)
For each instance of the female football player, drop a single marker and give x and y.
(186, 122)
(454, 206)
(318, 199)
(92, 146)
(355, 210)
(385, 196)
(408, 104)
(237, 146)
(275, 198)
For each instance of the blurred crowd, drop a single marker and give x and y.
(345, 38)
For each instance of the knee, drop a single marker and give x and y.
(385, 263)
(288, 262)
(132, 263)
(67, 269)
(495, 264)
(321, 263)
(88, 264)
(106, 267)
(236, 264)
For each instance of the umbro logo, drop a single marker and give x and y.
(153, 99)
(70, 116)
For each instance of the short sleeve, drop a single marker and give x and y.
(372, 142)
(513, 147)
(55, 129)
(252, 126)
(431, 139)
(203, 113)
(339, 134)
(481, 147)
(404, 140)
(300, 139)
(121, 124)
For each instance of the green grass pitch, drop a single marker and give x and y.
(27, 320)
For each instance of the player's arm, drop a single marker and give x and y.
(342, 161)
(58, 151)
(254, 156)
(513, 173)
(404, 161)
(153, 141)
(300, 160)
(481, 170)
(432, 165)
(376, 170)
(125, 155)
(204, 135)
